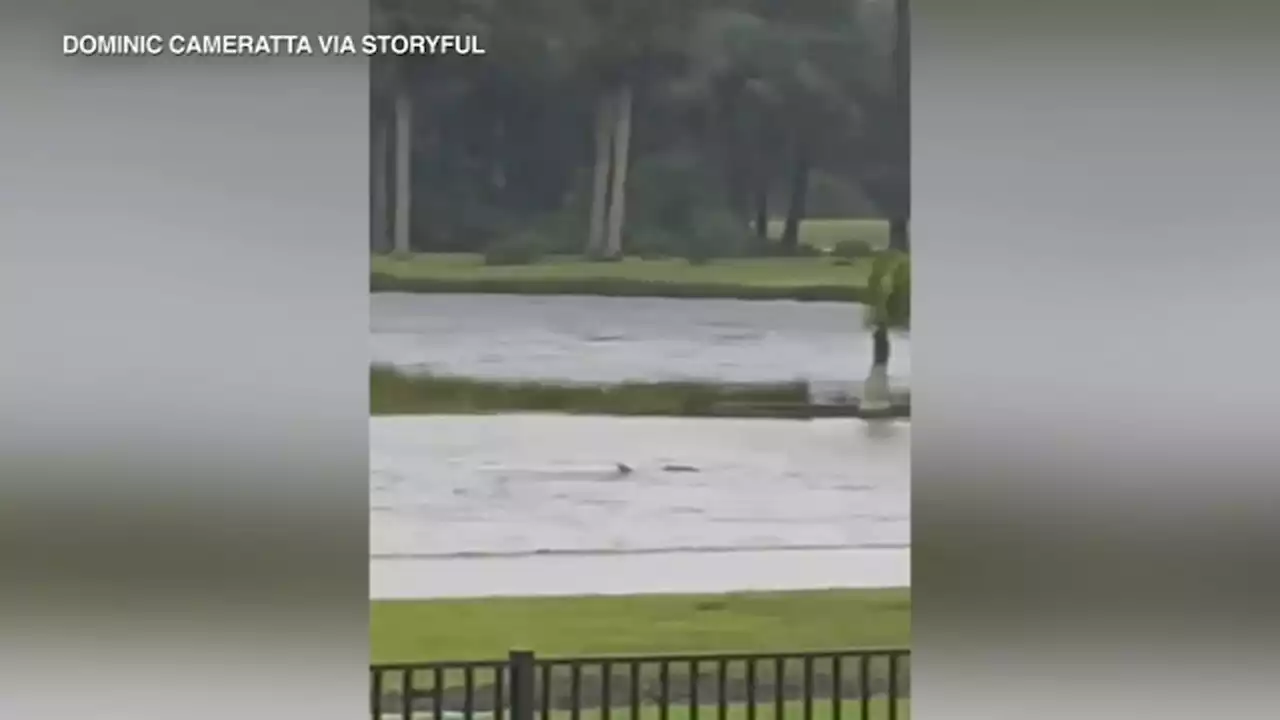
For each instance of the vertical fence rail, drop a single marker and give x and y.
(853, 684)
(375, 693)
(523, 676)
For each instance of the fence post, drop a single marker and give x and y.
(522, 666)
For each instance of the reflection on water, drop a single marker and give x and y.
(515, 484)
(593, 339)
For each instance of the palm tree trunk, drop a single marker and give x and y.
(380, 241)
(900, 234)
(727, 136)
(600, 179)
(900, 227)
(404, 153)
(618, 192)
(875, 392)
(799, 197)
(762, 211)
(738, 194)
(760, 186)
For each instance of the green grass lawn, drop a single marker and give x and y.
(487, 629)
(395, 393)
(762, 272)
(825, 233)
(411, 631)
(806, 278)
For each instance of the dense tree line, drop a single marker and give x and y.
(638, 126)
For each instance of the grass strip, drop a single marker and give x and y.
(427, 630)
(487, 629)
(801, 279)
(393, 392)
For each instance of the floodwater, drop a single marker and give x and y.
(591, 339)
(534, 504)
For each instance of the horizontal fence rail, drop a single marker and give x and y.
(827, 685)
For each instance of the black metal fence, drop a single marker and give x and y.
(837, 685)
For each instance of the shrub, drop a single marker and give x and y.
(523, 249)
(806, 250)
(715, 233)
(773, 248)
(852, 249)
(648, 254)
(652, 243)
(756, 246)
(698, 254)
(562, 232)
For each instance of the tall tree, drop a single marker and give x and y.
(824, 90)
(379, 169)
(573, 99)
(787, 84)
(900, 224)
(625, 45)
(604, 129)
(620, 166)
(404, 169)
(798, 196)
(888, 309)
(391, 78)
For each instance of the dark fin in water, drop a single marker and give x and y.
(623, 468)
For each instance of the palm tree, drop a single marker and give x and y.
(389, 80)
(620, 44)
(526, 33)
(888, 309)
(620, 162)
(885, 164)
(780, 80)
(900, 225)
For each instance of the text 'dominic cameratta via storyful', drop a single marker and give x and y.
(279, 45)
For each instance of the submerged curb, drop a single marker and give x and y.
(396, 392)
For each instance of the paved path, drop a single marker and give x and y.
(624, 574)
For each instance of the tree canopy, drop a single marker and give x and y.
(640, 126)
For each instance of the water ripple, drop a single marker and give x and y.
(526, 484)
(614, 339)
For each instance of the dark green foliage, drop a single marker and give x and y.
(681, 212)
(715, 233)
(519, 250)
(834, 195)
(889, 291)
(502, 144)
(557, 233)
(773, 248)
(653, 242)
(394, 393)
(615, 287)
(852, 249)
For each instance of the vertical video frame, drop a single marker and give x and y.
(640, 335)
